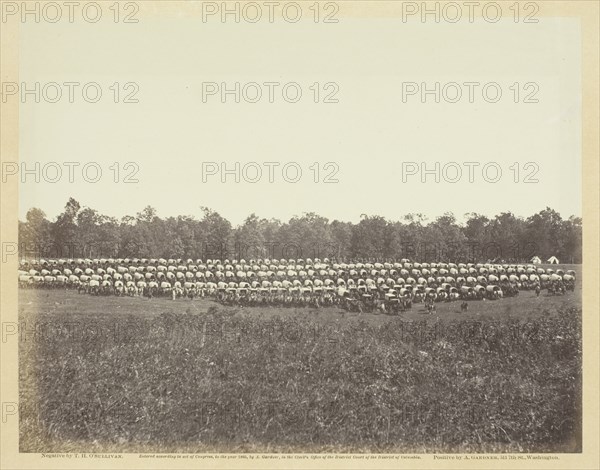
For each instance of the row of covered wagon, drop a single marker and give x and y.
(315, 281)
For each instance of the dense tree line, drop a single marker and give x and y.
(81, 232)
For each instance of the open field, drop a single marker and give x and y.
(129, 374)
(49, 303)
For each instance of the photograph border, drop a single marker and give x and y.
(588, 13)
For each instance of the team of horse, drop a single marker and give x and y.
(355, 286)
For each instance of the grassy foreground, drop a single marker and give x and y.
(222, 381)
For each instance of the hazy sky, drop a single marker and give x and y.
(368, 135)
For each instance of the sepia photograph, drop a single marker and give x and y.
(307, 234)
